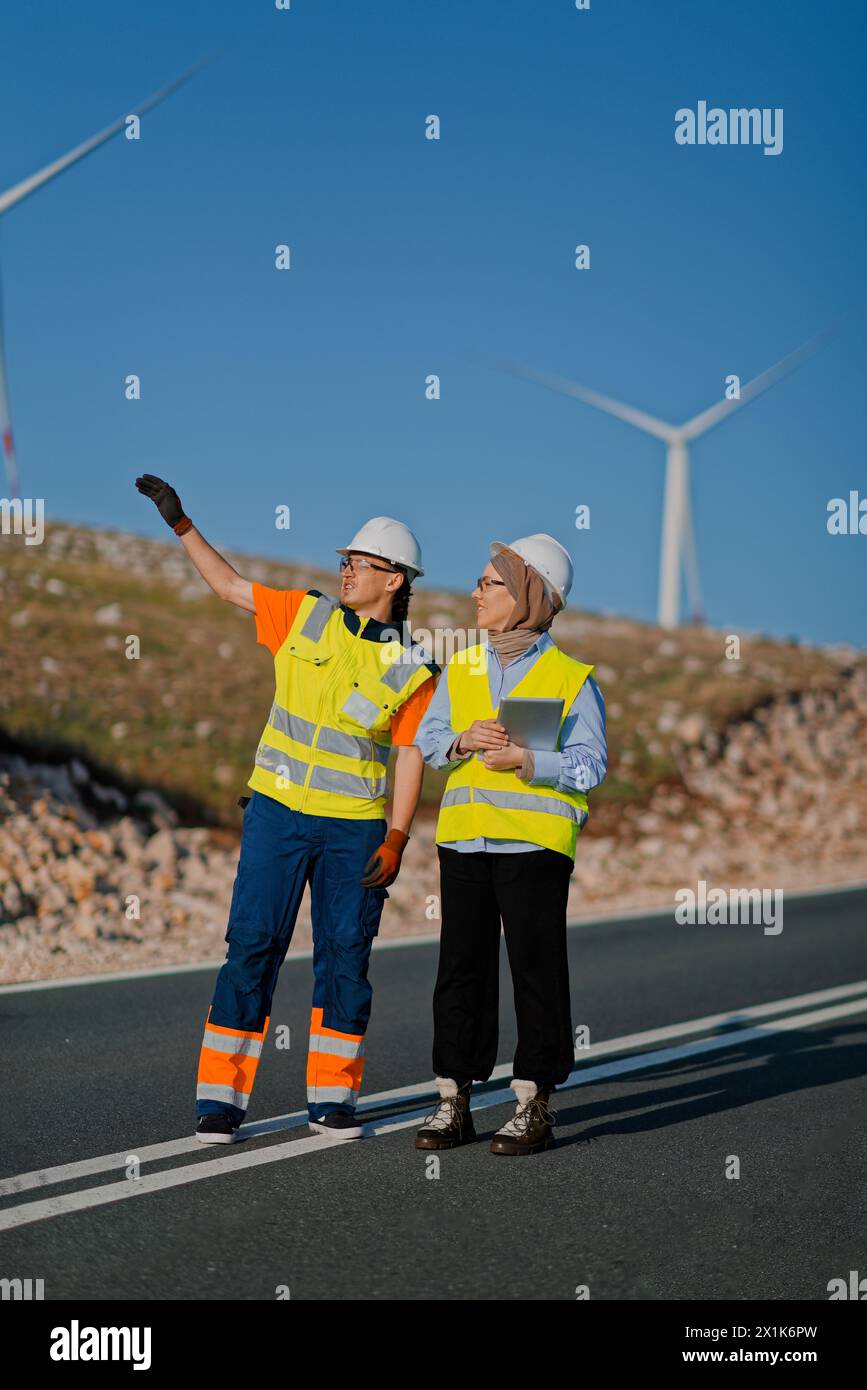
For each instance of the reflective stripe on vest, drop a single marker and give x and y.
(325, 747)
(332, 740)
(479, 801)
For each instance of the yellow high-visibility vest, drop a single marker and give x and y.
(325, 747)
(498, 805)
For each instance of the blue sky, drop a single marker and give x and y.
(409, 256)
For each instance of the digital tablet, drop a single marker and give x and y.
(531, 723)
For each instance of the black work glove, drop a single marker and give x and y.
(167, 501)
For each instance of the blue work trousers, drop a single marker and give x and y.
(281, 851)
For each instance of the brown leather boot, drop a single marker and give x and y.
(529, 1130)
(451, 1124)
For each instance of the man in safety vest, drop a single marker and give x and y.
(349, 684)
(506, 836)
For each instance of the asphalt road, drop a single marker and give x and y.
(634, 1201)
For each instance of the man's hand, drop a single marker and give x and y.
(483, 734)
(503, 759)
(163, 495)
(383, 866)
(225, 581)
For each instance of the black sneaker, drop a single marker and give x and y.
(337, 1126)
(216, 1129)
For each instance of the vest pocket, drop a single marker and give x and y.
(369, 704)
(358, 709)
(315, 654)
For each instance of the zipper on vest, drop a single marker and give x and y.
(371, 759)
(339, 666)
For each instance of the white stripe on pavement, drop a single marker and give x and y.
(397, 943)
(173, 1148)
(29, 1212)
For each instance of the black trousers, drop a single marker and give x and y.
(527, 891)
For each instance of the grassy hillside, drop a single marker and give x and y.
(185, 717)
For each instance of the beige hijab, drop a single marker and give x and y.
(533, 612)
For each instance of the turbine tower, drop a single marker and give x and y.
(15, 195)
(678, 539)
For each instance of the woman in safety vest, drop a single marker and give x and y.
(349, 684)
(506, 834)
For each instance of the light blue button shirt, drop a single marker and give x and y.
(580, 763)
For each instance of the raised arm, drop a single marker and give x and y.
(225, 581)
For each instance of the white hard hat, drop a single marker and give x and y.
(389, 539)
(551, 561)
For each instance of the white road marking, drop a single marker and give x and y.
(173, 1148)
(27, 1213)
(396, 944)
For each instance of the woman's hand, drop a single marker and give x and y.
(483, 734)
(504, 759)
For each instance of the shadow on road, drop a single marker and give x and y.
(756, 1071)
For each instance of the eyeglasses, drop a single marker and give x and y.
(357, 562)
(484, 583)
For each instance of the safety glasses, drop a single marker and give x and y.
(358, 562)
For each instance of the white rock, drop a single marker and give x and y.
(691, 729)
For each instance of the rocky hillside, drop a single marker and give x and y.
(184, 717)
(119, 778)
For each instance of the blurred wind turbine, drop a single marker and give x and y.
(15, 195)
(678, 539)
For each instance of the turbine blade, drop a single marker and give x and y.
(6, 423)
(700, 424)
(638, 418)
(22, 190)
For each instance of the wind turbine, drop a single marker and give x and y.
(678, 538)
(15, 195)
